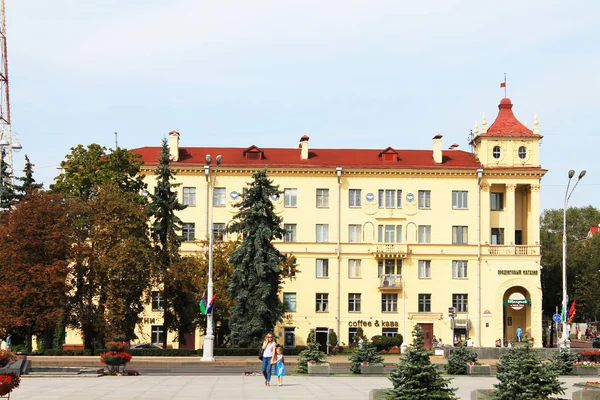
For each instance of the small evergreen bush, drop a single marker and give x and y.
(458, 361)
(416, 378)
(523, 376)
(310, 354)
(368, 354)
(562, 361)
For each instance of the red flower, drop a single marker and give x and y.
(8, 382)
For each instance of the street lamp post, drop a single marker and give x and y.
(565, 334)
(209, 338)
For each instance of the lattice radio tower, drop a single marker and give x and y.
(9, 140)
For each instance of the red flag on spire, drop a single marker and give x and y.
(503, 84)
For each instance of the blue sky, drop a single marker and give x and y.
(359, 74)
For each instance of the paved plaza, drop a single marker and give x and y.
(224, 387)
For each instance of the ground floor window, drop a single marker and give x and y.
(158, 334)
(289, 337)
(352, 335)
(389, 332)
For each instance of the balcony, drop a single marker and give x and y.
(390, 282)
(390, 250)
(512, 250)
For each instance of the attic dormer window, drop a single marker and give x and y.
(254, 153)
(253, 156)
(389, 155)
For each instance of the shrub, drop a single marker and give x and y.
(562, 361)
(310, 354)
(385, 343)
(367, 354)
(458, 361)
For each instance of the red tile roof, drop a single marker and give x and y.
(506, 124)
(348, 158)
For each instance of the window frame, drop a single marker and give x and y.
(460, 234)
(460, 200)
(389, 302)
(290, 298)
(158, 299)
(496, 152)
(460, 301)
(323, 300)
(495, 198)
(424, 302)
(187, 229)
(424, 234)
(424, 199)
(499, 235)
(354, 233)
(389, 332)
(522, 152)
(323, 195)
(354, 201)
(219, 196)
(159, 331)
(322, 268)
(323, 235)
(460, 267)
(424, 269)
(218, 231)
(189, 198)
(355, 265)
(354, 302)
(290, 197)
(291, 232)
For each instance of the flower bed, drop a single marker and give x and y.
(116, 357)
(585, 364)
(7, 357)
(8, 382)
(588, 385)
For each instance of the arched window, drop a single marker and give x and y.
(496, 152)
(522, 152)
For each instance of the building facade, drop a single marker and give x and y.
(386, 238)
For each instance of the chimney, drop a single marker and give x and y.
(174, 145)
(304, 147)
(453, 147)
(437, 148)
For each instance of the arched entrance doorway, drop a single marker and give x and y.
(517, 313)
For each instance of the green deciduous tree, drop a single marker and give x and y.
(33, 265)
(166, 224)
(86, 169)
(416, 378)
(523, 376)
(257, 275)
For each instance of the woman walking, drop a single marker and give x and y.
(268, 351)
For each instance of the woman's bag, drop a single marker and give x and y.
(260, 353)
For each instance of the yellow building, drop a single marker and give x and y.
(387, 238)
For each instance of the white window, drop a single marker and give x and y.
(218, 231)
(381, 198)
(353, 302)
(158, 334)
(289, 302)
(424, 233)
(322, 302)
(219, 197)
(290, 197)
(389, 303)
(322, 232)
(354, 233)
(391, 332)
(424, 268)
(188, 231)
(460, 235)
(390, 198)
(424, 198)
(460, 302)
(424, 302)
(354, 200)
(158, 301)
(290, 232)
(322, 268)
(459, 269)
(460, 199)
(399, 198)
(189, 196)
(322, 198)
(497, 201)
(389, 233)
(354, 268)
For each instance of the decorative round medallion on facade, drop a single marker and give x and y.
(410, 197)
(370, 197)
(234, 195)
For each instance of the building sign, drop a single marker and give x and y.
(517, 301)
(376, 323)
(487, 313)
(149, 320)
(518, 272)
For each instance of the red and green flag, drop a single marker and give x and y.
(203, 303)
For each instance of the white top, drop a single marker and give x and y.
(268, 352)
(279, 357)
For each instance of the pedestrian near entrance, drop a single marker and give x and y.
(519, 334)
(8, 341)
(279, 361)
(360, 342)
(268, 352)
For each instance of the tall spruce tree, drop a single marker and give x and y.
(29, 184)
(167, 241)
(416, 378)
(7, 189)
(523, 376)
(255, 280)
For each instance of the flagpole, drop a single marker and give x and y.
(505, 85)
